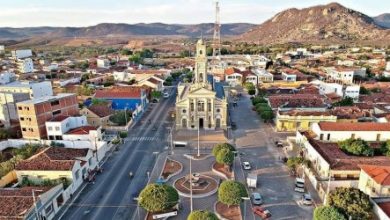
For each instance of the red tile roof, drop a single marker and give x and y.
(296, 101)
(59, 118)
(119, 92)
(17, 202)
(349, 126)
(154, 81)
(101, 110)
(81, 130)
(230, 71)
(385, 206)
(304, 113)
(380, 174)
(350, 112)
(53, 158)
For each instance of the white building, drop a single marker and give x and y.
(103, 63)
(8, 111)
(352, 91)
(288, 77)
(7, 77)
(60, 125)
(51, 67)
(339, 131)
(25, 65)
(263, 76)
(21, 54)
(344, 75)
(2, 49)
(35, 89)
(349, 63)
(388, 66)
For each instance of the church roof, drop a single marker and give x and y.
(218, 87)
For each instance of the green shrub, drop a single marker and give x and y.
(157, 197)
(357, 147)
(231, 192)
(202, 215)
(327, 213)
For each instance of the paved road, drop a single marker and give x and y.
(255, 139)
(111, 195)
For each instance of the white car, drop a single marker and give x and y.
(246, 165)
(166, 95)
(307, 200)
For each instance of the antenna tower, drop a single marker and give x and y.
(217, 32)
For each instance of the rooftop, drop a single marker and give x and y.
(81, 130)
(349, 112)
(120, 92)
(53, 158)
(380, 174)
(16, 202)
(296, 101)
(349, 126)
(47, 98)
(304, 113)
(101, 110)
(21, 84)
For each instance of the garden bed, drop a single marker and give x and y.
(223, 170)
(171, 168)
(232, 212)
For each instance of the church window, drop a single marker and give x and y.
(200, 52)
(184, 111)
(218, 110)
(200, 77)
(200, 106)
(192, 106)
(209, 106)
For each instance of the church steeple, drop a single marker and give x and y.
(201, 63)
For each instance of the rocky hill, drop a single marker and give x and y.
(332, 23)
(383, 20)
(113, 30)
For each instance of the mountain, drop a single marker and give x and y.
(383, 20)
(332, 23)
(113, 30)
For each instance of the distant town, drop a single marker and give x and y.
(200, 128)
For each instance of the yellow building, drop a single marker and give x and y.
(202, 104)
(293, 120)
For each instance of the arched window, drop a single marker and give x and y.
(200, 52)
(200, 77)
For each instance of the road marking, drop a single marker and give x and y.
(143, 139)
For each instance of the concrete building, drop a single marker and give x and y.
(8, 111)
(25, 65)
(33, 114)
(374, 180)
(339, 131)
(264, 76)
(344, 75)
(59, 125)
(103, 63)
(35, 89)
(2, 49)
(98, 115)
(7, 77)
(202, 104)
(352, 90)
(289, 77)
(21, 54)
(294, 120)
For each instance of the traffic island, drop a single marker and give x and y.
(195, 156)
(226, 212)
(171, 168)
(222, 170)
(202, 186)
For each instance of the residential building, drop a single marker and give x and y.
(35, 89)
(33, 114)
(61, 124)
(294, 120)
(339, 131)
(8, 111)
(344, 74)
(84, 133)
(250, 77)
(202, 104)
(103, 63)
(289, 77)
(375, 180)
(51, 67)
(25, 65)
(154, 82)
(309, 102)
(264, 76)
(98, 115)
(125, 97)
(2, 49)
(350, 113)
(233, 77)
(21, 54)
(30, 201)
(352, 90)
(58, 163)
(7, 77)
(388, 66)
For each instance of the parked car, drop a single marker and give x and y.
(278, 143)
(166, 95)
(299, 185)
(246, 165)
(306, 199)
(256, 199)
(263, 213)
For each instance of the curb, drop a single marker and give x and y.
(173, 174)
(212, 192)
(220, 173)
(192, 157)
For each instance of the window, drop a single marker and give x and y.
(49, 209)
(56, 102)
(20, 108)
(24, 129)
(21, 118)
(31, 130)
(50, 128)
(57, 112)
(184, 111)
(200, 106)
(209, 106)
(57, 128)
(353, 136)
(378, 137)
(328, 137)
(27, 108)
(192, 106)
(321, 137)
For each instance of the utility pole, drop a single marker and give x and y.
(35, 203)
(198, 143)
(217, 32)
(191, 205)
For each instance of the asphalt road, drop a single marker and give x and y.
(111, 196)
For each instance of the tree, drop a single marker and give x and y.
(225, 156)
(121, 117)
(252, 91)
(267, 115)
(168, 81)
(230, 192)
(202, 215)
(136, 58)
(385, 148)
(364, 91)
(156, 94)
(126, 52)
(327, 213)
(258, 99)
(123, 134)
(347, 101)
(158, 197)
(4, 134)
(96, 101)
(356, 147)
(351, 202)
(218, 147)
(293, 162)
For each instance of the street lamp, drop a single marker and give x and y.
(35, 203)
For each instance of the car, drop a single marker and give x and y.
(166, 95)
(246, 165)
(299, 185)
(263, 213)
(278, 143)
(306, 199)
(256, 198)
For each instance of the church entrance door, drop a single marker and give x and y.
(201, 123)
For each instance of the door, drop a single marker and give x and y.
(184, 123)
(218, 123)
(201, 122)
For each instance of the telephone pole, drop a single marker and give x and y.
(217, 32)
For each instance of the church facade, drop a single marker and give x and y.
(203, 103)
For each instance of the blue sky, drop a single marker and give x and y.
(28, 13)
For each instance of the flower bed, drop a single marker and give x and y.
(171, 168)
(232, 212)
(222, 169)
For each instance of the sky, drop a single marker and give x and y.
(77, 13)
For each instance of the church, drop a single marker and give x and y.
(203, 103)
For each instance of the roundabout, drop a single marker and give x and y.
(202, 185)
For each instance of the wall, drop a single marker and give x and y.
(7, 179)
(65, 125)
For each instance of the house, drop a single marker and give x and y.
(7, 77)
(339, 131)
(58, 163)
(103, 63)
(293, 120)
(61, 124)
(33, 114)
(289, 76)
(154, 82)
(340, 90)
(35, 89)
(297, 101)
(8, 110)
(84, 133)
(349, 113)
(264, 76)
(344, 74)
(25, 65)
(250, 77)
(21, 54)
(233, 76)
(374, 180)
(97, 115)
(26, 202)
(125, 97)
